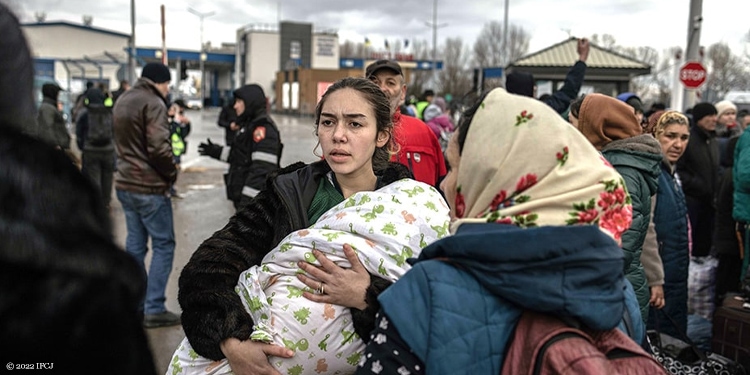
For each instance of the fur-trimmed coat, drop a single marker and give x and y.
(212, 311)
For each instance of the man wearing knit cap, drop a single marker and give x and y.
(634, 101)
(145, 171)
(50, 121)
(698, 169)
(612, 127)
(726, 120)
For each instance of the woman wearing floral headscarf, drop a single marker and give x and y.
(538, 215)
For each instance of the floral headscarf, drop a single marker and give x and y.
(522, 164)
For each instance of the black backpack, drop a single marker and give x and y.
(100, 130)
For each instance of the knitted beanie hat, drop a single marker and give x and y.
(156, 72)
(724, 106)
(702, 110)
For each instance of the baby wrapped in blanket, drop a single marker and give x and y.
(384, 227)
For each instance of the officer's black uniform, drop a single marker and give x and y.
(256, 150)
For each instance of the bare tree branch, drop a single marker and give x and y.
(726, 71)
(455, 77)
(488, 48)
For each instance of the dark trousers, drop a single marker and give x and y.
(99, 167)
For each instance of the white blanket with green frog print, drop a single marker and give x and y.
(385, 227)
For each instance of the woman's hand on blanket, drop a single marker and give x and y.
(340, 286)
(251, 357)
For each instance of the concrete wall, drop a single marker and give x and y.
(262, 60)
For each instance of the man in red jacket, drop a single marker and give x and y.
(419, 149)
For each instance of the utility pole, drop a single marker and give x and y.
(505, 37)
(434, 26)
(131, 45)
(693, 46)
(202, 55)
(163, 37)
(278, 13)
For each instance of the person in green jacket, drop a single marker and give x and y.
(612, 127)
(741, 210)
(426, 99)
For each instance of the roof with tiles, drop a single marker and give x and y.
(564, 53)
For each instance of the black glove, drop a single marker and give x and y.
(210, 149)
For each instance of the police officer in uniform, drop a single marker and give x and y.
(256, 150)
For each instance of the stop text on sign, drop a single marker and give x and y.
(692, 75)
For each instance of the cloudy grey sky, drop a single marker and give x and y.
(656, 23)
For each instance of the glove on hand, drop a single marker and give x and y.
(210, 149)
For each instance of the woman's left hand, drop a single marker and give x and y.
(336, 285)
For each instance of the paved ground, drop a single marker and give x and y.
(204, 208)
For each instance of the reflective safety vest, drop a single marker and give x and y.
(178, 145)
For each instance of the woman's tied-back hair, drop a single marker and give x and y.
(669, 118)
(380, 106)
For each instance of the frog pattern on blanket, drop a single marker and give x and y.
(385, 227)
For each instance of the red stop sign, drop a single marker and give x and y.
(692, 75)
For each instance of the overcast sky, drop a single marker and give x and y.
(656, 23)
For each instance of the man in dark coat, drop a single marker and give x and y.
(97, 150)
(51, 123)
(699, 172)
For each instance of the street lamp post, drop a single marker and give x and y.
(202, 54)
(434, 26)
(131, 46)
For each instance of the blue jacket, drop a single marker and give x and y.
(463, 307)
(671, 224)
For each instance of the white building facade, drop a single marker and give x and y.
(263, 50)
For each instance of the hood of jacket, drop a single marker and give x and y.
(431, 112)
(255, 102)
(641, 152)
(520, 83)
(574, 271)
(603, 119)
(17, 108)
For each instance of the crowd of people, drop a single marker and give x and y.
(409, 247)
